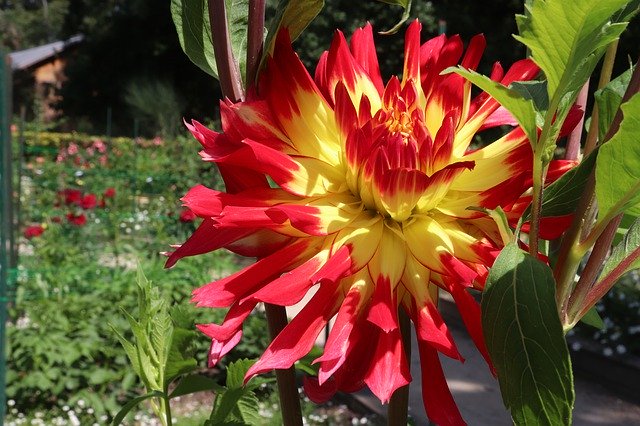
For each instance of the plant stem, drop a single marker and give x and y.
(605, 77)
(167, 410)
(572, 244)
(228, 71)
(590, 272)
(397, 413)
(255, 40)
(536, 205)
(286, 379)
(573, 141)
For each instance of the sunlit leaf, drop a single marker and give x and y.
(525, 340)
(294, 15)
(522, 108)
(567, 38)
(618, 166)
(609, 99)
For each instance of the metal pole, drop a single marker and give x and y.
(6, 220)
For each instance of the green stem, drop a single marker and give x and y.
(228, 71)
(167, 410)
(286, 379)
(536, 206)
(398, 410)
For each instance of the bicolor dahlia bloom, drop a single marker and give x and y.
(359, 191)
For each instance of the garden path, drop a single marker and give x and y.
(478, 395)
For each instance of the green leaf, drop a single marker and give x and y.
(181, 357)
(593, 319)
(567, 39)
(533, 90)
(132, 403)
(624, 257)
(522, 108)
(192, 384)
(236, 372)
(406, 5)
(129, 349)
(562, 196)
(525, 340)
(226, 401)
(191, 18)
(609, 99)
(294, 15)
(247, 409)
(618, 166)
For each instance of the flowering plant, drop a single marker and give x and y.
(370, 200)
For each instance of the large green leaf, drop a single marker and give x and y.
(522, 108)
(624, 257)
(294, 15)
(525, 340)
(191, 18)
(609, 99)
(618, 166)
(567, 38)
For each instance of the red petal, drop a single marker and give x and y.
(205, 239)
(218, 349)
(224, 292)
(430, 328)
(440, 406)
(383, 310)
(364, 53)
(389, 370)
(298, 337)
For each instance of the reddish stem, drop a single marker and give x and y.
(255, 39)
(228, 71)
(573, 141)
(286, 379)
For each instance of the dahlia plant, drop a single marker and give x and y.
(368, 199)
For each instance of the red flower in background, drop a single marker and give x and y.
(374, 182)
(76, 219)
(56, 219)
(187, 216)
(33, 231)
(89, 201)
(109, 193)
(71, 196)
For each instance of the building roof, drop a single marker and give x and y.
(23, 59)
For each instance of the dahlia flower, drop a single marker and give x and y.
(360, 191)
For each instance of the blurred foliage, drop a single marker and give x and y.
(101, 70)
(29, 23)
